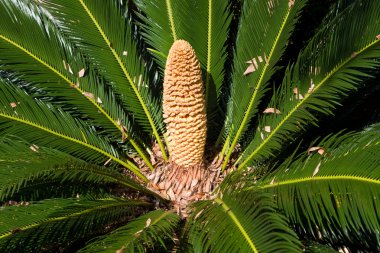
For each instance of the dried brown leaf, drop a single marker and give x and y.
(316, 169)
(13, 104)
(122, 135)
(148, 221)
(272, 110)
(81, 73)
(267, 129)
(255, 63)
(69, 69)
(265, 58)
(296, 91)
(89, 95)
(291, 3)
(249, 70)
(107, 162)
(312, 86)
(34, 148)
(320, 150)
(378, 37)
(64, 64)
(121, 250)
(198, 214)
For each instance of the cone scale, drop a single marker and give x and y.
(184, 106)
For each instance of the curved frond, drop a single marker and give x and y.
(41, 124)
(148, 232)
(159, 22)
(53, 174)
(313, 247)
(112, 51)
(240, 222)
(336, 61)
(206, 29)
(264, 30)
(334, 196)
(46, 223)
(37, 53)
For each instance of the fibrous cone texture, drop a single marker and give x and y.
(184, 106)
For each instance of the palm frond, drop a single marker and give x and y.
(159, 22)
(314, 247)
(206, 29)
(41, 224)
(47, 62)
(240, 222)
(148, 232)
(333, 197)
(336, 61)
(263, 33)
(42, 174)
(41, 124)
(112, 51)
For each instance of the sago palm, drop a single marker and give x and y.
(177, 126)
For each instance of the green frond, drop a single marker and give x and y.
(51, 222)
(336, 61)
(159, 23)
(264, 30)
(112, 51)
(43, 125)
(37, 53)
(334, 196)
(204, 24)
(207, 30)
(240, 222)
(148, 232)
(65, 180)
(313, 247)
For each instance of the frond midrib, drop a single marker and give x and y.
(253, 98)
(77, 88)
(126, 164)
(35, 224)
(317, 86)
(171, 19)
(127, 75)
(209, 43)
(116, 178)
(236, 221)
(321, 178)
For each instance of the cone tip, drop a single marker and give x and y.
(181, 45)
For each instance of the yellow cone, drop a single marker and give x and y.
(184, 105)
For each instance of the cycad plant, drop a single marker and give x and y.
(178, 126)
